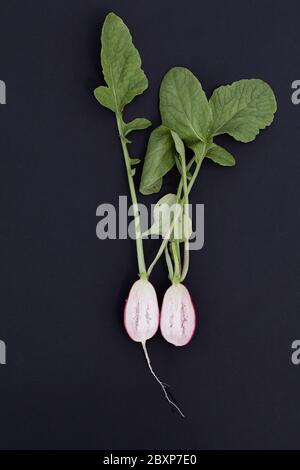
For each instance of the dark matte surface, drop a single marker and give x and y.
(73, 379)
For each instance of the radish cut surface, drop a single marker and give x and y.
(178, 319)
(141, 314)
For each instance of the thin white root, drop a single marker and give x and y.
(159, 381)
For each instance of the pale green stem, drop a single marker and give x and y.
(176, 276)
(185, 219)
(188, 167)
(162, 245)
(136, 214)
(169, 263)
(178, 253)
(195, 174)
(159, 253)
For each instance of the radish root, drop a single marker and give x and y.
(163, 386)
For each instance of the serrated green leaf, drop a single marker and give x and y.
(121, 64)
(136, 125)
(220, 155)
(160, 158)
(242, 109)
(183, 105)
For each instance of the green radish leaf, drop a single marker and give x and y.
(160, 158)
(163, 216)
(219, 155)
(179, 145)
(183, 105)
(121, 64)
(105, 97)
(168, 211)
(242, 109)
(135, 161)
(136, 125)
(198, 149)
(178, 164)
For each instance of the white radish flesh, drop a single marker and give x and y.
(141, 313)
(178, 319)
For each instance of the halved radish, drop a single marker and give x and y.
(141, 313)
(141, 320)
(178, 319)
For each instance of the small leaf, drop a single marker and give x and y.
(242, 109)
(179, 145)
(168, 212)
(198, 149)
(104, 96)
(219, 155)
(135, 161)
(162, 215)
(183, 105)
(124, 139)
(160, 158)
(178, 164)
(121, 64)
(133, 170)
(136, 125)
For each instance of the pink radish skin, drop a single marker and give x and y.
(141, 313)
(178, 318)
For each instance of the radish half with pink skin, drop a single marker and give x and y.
(178, 318)
(141, 313)
(141, 320)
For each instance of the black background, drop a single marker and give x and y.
(73, 379)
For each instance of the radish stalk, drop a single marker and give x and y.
(137, 221)
(169, 263)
